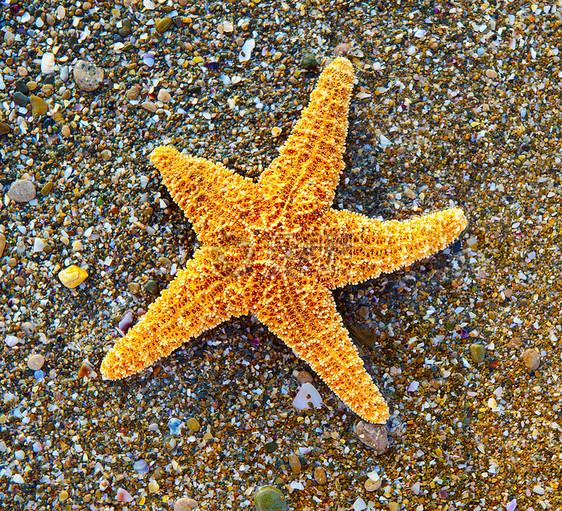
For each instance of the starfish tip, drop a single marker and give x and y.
(162, 155)
(460, 218)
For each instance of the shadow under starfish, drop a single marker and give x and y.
(276, 249)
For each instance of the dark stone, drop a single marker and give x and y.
(125, 29)
(151, 286)
(47, 121)
(22, 87)
(20, 99)
(309, 62)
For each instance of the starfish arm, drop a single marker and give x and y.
(199, 298)
(303, 314)
(303, 178)
(355, 248)
(212, 196)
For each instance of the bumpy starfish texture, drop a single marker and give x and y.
(276, 249)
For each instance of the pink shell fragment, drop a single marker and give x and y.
(123, 495)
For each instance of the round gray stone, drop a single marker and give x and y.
(87, 76)
(22, 190)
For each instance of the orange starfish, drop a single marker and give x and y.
(276, 249)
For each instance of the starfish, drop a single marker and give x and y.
(276, 249)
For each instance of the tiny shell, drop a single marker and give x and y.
(123, 495)
(246, 50)
(148, 59)
(307, 397)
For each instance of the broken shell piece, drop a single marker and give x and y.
(307, 397)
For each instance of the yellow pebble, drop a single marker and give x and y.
(197, 60)
(276, 132)
(63, 495)
(153, 486)
(193, 424)
(72, 276)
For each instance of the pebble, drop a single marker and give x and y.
(65, 73)
(342, 49)
(125, 28)
(374, 436)
(490, 73)
(269, 498)
(294, 464)
(47, 188)
(309, 62)
(77, 246)
(153, 486)
(4, 128)
(20, 99)
(193, 424)
(38, 106)
(149, 106)
(22, 191)
(151, 286)
(11, 341)
(60, 12)
(72, 276)
(164, 96)
(477, 352)
(22, 87)
(304, 377)
(9, 37)
(163, 24)
(371, 485)
(126, 321)
(320, 476)
(38, 245)
(87, 76)
(106, 155)
(2, 244)
(227, 26)
(134, 92)
(35, 362)
(531, 359)
(408, 192)
(65, 131)
(86, 369)
(185, 504)
(48, 63)
(133, 288)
